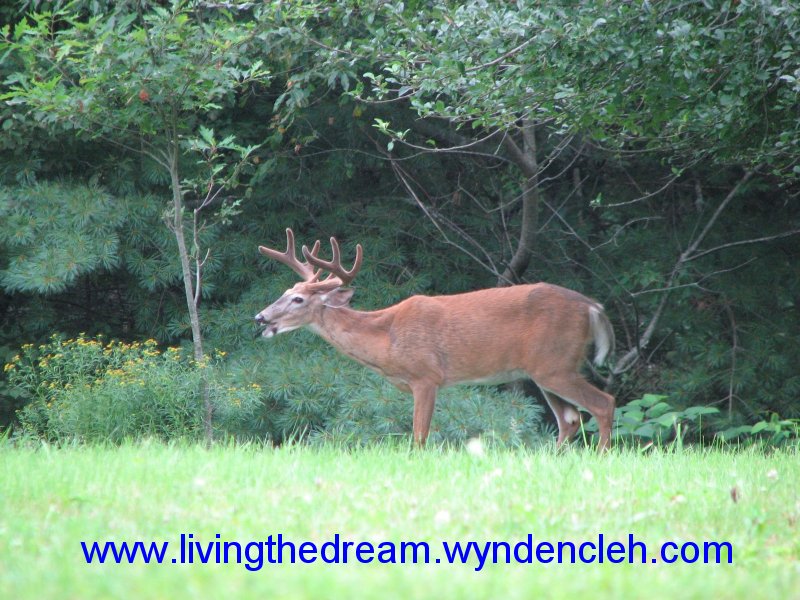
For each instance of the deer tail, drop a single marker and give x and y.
(602, 333)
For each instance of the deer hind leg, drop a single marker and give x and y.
(424, 401)
(576, 390)
(567, 417)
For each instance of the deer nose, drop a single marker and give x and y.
(260, 320)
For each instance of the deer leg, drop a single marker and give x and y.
(567, 417)
(576, 390)
(424, 401)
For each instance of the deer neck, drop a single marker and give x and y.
(360, 335)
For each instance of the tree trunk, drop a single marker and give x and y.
(527, 162)
(191, 295)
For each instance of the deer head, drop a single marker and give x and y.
(302, 303)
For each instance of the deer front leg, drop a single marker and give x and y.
(424, 401)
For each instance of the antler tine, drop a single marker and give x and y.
(289, 257)
(334, 266)
(351, 274)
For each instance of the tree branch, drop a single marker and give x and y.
(633, 355)
(731, 195)
(502, 57)
(734, 350)
(487, 262)
(742, 243)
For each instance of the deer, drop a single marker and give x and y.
(496, 335)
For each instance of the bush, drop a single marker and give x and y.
(312, 392)
(772, 431)
(652, 420)
(92, 390)
(378, 410)
(95, 390)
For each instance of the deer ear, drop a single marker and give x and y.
(338, 297)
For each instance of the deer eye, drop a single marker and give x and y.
(298, 300)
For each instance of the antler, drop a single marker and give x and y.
(289, 258)
(334, 266)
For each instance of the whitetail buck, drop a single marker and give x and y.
(423, 343)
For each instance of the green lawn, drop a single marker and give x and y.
(52, 499)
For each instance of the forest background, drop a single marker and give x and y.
(644, 154)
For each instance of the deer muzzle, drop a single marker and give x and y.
(270, 328)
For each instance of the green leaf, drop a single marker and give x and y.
(694, 411)
(646, 431)
(632, 416)
(658, 409)
(207, 134)
(667, 419)
(649, 400)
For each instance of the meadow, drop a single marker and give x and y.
(53, 498)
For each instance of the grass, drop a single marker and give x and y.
(52, 498)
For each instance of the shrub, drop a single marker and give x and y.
(92, 390)
(773, 431)
(378, 410)
(311, 392)
(96, 390)
(652, 420)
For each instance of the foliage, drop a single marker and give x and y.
(93, 390)
(80, 224)
(314, 393)
(651, 419)
(89, 389)
(646, 117)
(672, 97)
(140, 79)
(145, 75)
(376, 410)
(773, 431)
(694, 79)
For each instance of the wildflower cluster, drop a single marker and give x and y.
(59, 364)
(96, 389)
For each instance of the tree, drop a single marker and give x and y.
(691, 85)
(149, 81)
